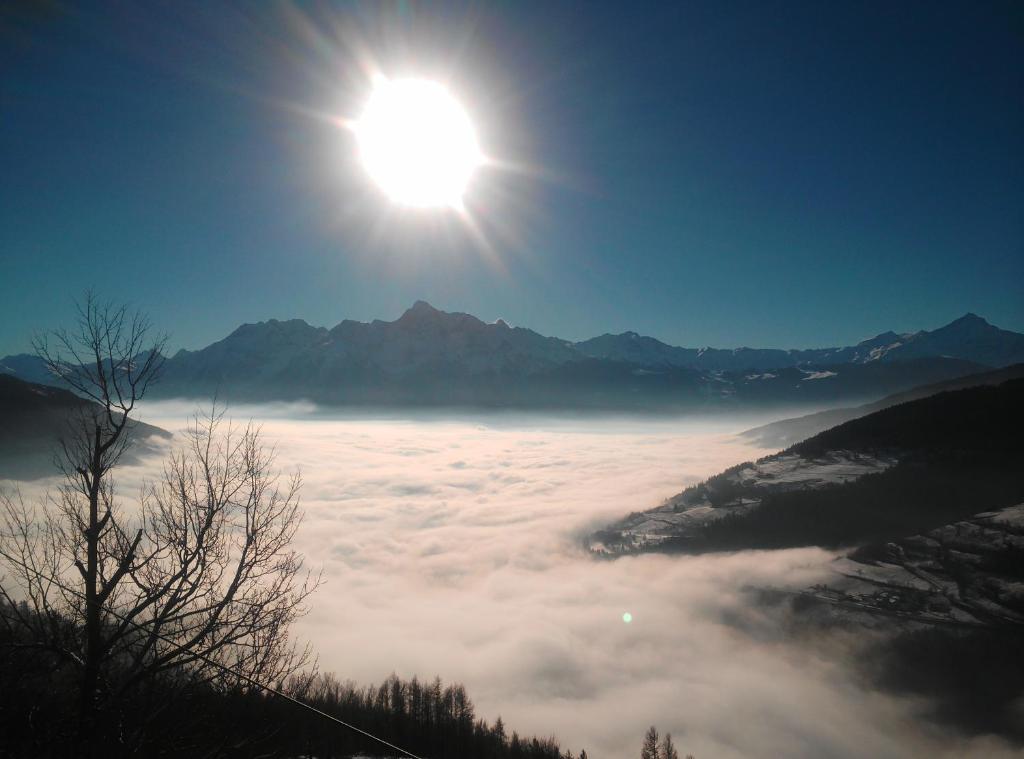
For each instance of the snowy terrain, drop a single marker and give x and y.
(737, 490)
(968, 572)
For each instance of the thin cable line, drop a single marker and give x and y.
(224, 667)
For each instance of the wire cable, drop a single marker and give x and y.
(223, 667)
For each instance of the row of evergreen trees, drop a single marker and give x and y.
(652, 748)
(428, 718)
(172, 716)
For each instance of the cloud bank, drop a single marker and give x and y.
(451, 547)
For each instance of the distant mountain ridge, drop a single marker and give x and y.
(969, 338)
(431, 357)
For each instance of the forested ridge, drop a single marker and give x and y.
(170, 716)
(958, 453)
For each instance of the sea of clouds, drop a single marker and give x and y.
(451, 545)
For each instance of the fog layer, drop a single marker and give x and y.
(452, 547)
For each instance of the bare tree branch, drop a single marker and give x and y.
(200, 574)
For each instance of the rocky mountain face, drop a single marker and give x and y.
(422, 341)
(970, 337)
(430, 357)
(426, 356)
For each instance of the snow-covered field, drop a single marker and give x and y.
(453, 547)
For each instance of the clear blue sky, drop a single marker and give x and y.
(728, 173)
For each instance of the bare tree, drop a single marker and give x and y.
(197, 577)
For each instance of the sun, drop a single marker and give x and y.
(417, 143)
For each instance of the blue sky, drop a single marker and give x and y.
(767, 174)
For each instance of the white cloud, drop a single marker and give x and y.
(451, 547)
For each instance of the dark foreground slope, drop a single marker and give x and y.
(33, 418)
(900, 471)
(926, 499)
(786, 432)
(163, 717)
(946, 613)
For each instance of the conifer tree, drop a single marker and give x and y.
(649, 750)
(668, 749)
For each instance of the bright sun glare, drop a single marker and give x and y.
(417, 143)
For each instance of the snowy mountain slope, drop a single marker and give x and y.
(912, 466)
(969, 338)
(736, 491)
(430, 357)
(424, 338)
(970, 571)
(283, 355)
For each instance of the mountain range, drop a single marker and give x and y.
(969, 338)
(431, 357)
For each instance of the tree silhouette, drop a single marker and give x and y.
(197, 576)
(668, 749)
(649, 749)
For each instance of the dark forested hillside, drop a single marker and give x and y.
(899, 471)
(904, 500)
(977, 422)
(33, 418)
(163, 718)
(785, 432)
(959, 454)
